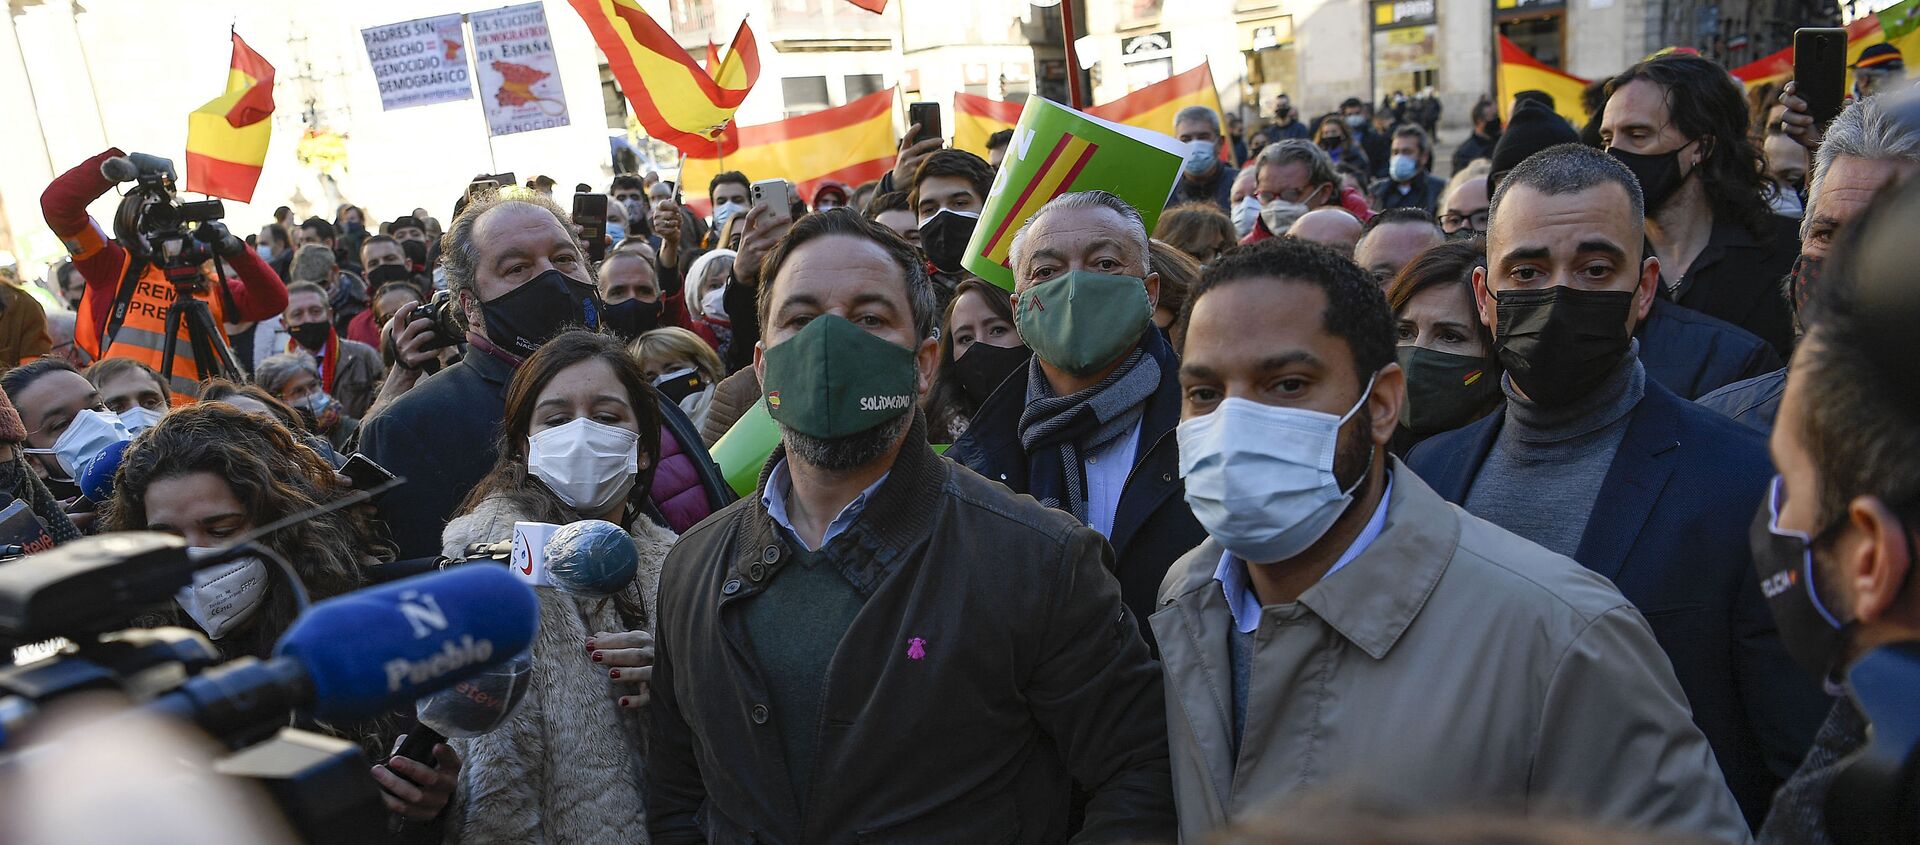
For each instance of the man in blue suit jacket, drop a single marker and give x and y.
(1593, 459)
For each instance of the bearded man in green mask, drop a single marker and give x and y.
(1088, 425)
(882, 643)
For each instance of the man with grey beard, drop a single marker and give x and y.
(882, 643)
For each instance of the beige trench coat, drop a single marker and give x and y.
(1451, 667)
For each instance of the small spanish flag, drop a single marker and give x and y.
(677, 100)
(1519, 71)
(976, 118)
(227, 137)
(849, 144)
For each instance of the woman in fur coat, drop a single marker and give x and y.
(581, 435)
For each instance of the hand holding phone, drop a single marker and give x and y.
(1820, 71)
(776, 196)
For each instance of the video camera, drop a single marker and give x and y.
(154, 224)
(348, 659)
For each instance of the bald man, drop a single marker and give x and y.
(1393, 239)
(1332, 227)
(1465, 213)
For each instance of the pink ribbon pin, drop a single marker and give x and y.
(916, 649)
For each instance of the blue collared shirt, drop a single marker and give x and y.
(1232, 575)
(1106, 473)
(775, 501)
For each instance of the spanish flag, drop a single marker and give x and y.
(976, 118)
(849, 144)
(227, 137)
(1898, 25)
(1153, 107)
(1519, 71)
(677, 101)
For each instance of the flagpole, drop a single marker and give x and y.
(479, 95)
(1073, 55)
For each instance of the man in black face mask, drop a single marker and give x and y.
(518, 277)
(1680, 124)
(1596, 461)
(948, 192)
(1871, 147)
(631, 290)
(1835, 543)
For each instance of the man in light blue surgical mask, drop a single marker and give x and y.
(1409, 182)
(1204, 177)
(1087, 425)
(1337, 593)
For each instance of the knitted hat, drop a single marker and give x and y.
(11, 429)
(1881, 55)
(1531, 128)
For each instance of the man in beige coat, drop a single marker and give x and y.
(1346, 630)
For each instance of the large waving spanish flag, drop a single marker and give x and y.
(1153, 107)
(1519, 71)
(849, 144)
(677, 101)
(976, 118)
(1898, 25)
(227, 137)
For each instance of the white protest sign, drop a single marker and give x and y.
(519, 77)
(529, 558)
(419, 62)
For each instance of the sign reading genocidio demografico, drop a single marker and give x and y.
(419, 62)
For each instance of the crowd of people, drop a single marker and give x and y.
(1343, 495)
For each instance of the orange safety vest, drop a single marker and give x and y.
(142, 335)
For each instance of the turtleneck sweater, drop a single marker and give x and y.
(1543, 476)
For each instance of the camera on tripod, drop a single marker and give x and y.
(154, 224)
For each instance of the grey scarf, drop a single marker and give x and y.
(1056, 430)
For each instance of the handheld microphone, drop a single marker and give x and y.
(592, 558)
(21, 531)
(369, 651)
(96, 481)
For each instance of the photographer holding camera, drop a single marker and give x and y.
(256, 294)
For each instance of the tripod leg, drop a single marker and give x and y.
(211, 355)
(171, 334)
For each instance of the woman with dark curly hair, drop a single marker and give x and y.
(211, 472)
(582, 436)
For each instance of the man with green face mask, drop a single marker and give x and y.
(952, 657)
(1088, 426)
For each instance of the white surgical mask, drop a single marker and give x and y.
(138, 418)
(315, 403)
(635, 208)
(589, 465)
(1402, 167)
(723, 211)
(90, 433)
(1199, 158)
(1279, 214)
(224, 595)
(1786, 202)
(1260, 477)
(713, 303)
(1245, 214)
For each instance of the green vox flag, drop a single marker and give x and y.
(1057, 150)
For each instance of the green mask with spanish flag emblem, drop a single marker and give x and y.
(834, 379)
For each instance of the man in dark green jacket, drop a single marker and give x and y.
(881, 645)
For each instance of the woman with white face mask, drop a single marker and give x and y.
(211, 472)
(582, 435)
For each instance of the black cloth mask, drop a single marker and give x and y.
(1659, 174)
(984, 367)
(1444, 390)
(680, 386)
(521, 319)
(633, 318)
(312, 336)
(944, 238)
(1559, 343)
(1814, 632)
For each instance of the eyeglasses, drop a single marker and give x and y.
(1451, 222)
